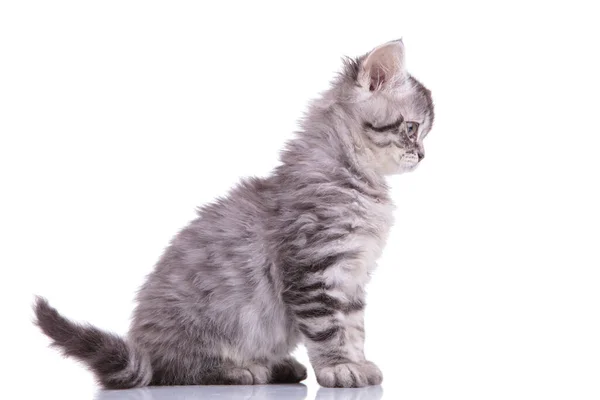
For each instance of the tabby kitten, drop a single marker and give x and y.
(279, 260)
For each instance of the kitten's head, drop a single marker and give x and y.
(392, 112)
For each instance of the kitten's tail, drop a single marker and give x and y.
(116, 363)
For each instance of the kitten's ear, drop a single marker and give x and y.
(383, 67)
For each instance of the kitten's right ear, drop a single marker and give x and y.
(383, 67)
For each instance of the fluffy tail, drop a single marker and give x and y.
(116, 363)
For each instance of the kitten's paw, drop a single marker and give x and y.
(253, 374)
(260, 374)
(350, 375)
(236, 376)
(288, 371)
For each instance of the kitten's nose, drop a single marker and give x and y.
(421, 155)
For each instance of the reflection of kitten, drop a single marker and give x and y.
(260, 392)
(256, 392)
(280, 259)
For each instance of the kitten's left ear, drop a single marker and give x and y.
(383, 67)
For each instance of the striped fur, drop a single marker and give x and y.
(116, 363)
(279, 260)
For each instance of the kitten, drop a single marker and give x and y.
(279, 260)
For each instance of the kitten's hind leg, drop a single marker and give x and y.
(288, 371)
(214, 372)
(253, 374)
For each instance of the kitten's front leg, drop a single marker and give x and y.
(330, 316)
(341, 361)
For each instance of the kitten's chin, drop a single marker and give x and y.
(390, 161)
(398, 169)
(405, 169)
(401, 165)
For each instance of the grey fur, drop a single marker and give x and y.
(279, 260)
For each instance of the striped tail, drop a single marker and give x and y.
(115, 363)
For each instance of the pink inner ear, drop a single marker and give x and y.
(377, 77)
(384, 66)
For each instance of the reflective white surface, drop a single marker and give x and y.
(259, 392)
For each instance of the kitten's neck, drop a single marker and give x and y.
(348, 144)
(327, 142)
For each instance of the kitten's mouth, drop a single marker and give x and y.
(409, 161)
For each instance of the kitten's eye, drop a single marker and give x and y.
(411, 128)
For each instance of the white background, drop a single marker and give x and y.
(117, 118)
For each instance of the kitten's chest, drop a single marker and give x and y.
(374, 221)
(369, 223)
